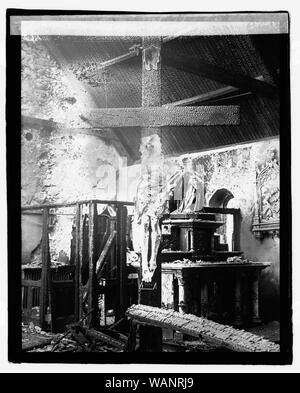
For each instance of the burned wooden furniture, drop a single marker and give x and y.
(198, 327)
(43, 291)
(59, 302)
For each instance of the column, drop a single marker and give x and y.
(181, 294)
(204, 296)
(254, 297)
(238, 300)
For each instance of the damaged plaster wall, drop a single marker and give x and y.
(58, 166)
(48, 90)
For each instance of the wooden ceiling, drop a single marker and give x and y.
(214, 70)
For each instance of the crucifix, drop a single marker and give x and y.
(153, 209)
(151, 199)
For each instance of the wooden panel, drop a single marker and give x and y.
(161, 116)
(31, 283)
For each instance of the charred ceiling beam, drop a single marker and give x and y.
(211, 95)
(162, 117)
(51, 126)
(195, 66)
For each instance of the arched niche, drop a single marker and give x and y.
(221, 199)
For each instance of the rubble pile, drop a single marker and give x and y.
(34, 339)
(76, 339)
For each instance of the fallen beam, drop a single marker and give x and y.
(160, 116)
(227, 336)
(96, 335)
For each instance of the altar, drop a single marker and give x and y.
(201, 276)
(227, 292)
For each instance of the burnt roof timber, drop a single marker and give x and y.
(244, 82)
(162, 117)
(211, 95)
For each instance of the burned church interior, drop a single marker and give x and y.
(150, 193)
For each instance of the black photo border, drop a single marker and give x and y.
(13, 149)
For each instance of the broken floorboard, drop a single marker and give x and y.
(227, 336)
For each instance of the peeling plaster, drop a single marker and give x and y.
(46, 92)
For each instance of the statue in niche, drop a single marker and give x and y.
(153, 196)
(188, 188)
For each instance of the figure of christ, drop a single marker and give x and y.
(150, 204)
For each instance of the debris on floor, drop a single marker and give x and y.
(79, 338)
(35, 339)
(76, 339)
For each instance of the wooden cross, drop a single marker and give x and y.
(151, 118)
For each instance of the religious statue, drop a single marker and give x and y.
(150, 203)
(188, 188)
(153, 195)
